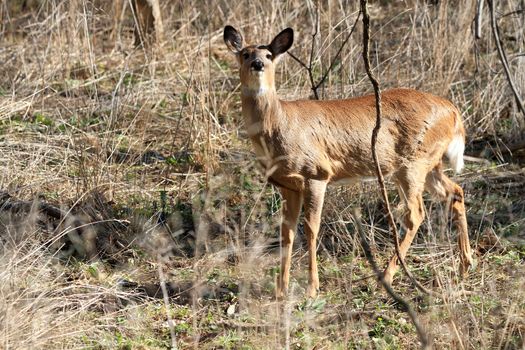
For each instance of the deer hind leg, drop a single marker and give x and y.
(410, 191)
(446, 190)
(313, 206)
(292, 203)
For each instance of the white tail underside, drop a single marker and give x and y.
(455, 153)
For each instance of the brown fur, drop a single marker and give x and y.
(306, 144)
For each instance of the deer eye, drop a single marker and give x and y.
(269, 56)
(246, 55)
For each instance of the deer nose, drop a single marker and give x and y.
(257, 65)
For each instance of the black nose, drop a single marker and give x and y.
(257, 65)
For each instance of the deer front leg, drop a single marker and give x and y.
(313, 206)
(291, 207)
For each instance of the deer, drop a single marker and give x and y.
(306, 145)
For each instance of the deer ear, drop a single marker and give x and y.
(282, 42)
(233, 39)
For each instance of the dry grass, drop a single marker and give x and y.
(179, 240)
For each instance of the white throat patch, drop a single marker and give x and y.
(255, 84)
(254, 91)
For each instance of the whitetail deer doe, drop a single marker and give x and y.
(307, 144)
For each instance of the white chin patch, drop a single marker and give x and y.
(257, 73)
(255, 86)
(254, 90)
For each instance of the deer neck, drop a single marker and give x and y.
(261, 110)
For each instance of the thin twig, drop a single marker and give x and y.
(165, 297)
(503, 56)
(310, 74)
(366, 38)
(298, 60)
(310, 62)
(338, 53)
(478, 19)
(375, 132)
(516, 12)
(309, 67)
(423, 337)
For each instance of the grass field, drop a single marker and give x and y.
(134, 215)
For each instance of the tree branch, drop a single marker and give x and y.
(503, 56)
(309, 67)
(338, 53)
(375, 132)
(478, 18)
(425, 343)
(366, 38)
(298, 60)
(310, 61)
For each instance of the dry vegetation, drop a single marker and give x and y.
(134, 215)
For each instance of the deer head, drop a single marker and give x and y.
(257, 62)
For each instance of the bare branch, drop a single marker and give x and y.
(425, 343)
(338, 53)
(315, 86)
(314, 34)
(366, 38)
(298, 60)
(512, 13)
(310, 62)
(503, 56)
(375, 132)
(478, 19)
